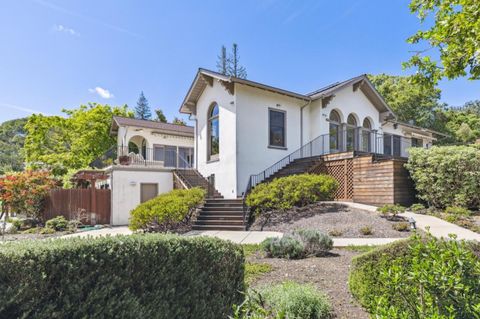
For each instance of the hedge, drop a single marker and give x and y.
(137, 276)
(167, 211)
(419, 278)
(295, 190)
(446, 175)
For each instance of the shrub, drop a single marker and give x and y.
(286, 247)
(286, 300)
(47, 231)
(25, 192)
(366, 230)
(418, 278)
(401, 226)
(17, 223)
(418, 208)
(298, 244)
(458, 211)
(335, 232)
(446, 176)
(167, 211)
(58, 223)
(391, 210)
(137, 276)
(286, 192)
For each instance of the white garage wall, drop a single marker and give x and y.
(125, 185)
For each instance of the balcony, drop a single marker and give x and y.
(164, 156)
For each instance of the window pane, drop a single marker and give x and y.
(159, 153)
(397, 150)
(277, 128)
(214, 137)
(351, 139)
(334, 137)
(170, 156)
(387, 144)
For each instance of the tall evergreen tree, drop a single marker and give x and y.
(223, 61)
(235, 69)
(142, 110)
(160, 116)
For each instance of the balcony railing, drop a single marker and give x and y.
(168, 157)
(339, 141)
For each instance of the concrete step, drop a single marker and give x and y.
(222, 208)
(221, 212)
(218, 227)
(222, 217)
(219, 222)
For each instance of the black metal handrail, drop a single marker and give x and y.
(348, 140)
(189, 173)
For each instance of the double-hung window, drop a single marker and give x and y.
(277, 124)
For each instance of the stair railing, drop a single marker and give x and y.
(188, 171)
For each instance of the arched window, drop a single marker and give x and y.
(334, 131)
(351, 132)
(213, 132)
(366, 135)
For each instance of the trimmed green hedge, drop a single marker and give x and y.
(167, 211)
(295, 190)
(137, 276)
(419, 278)
(446, 175)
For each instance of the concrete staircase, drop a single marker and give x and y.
(220, 214)
(192, 178)
(298, 166)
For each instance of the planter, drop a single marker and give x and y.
(124, 160)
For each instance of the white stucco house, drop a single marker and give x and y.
(243, 127)
(244, 132)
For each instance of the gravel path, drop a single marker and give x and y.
(329, 274)
(332, 218)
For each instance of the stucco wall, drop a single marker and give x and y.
(225, 167)
(253, 153)
(125, 185)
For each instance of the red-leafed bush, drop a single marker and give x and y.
(25, 192)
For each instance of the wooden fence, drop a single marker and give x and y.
(68, 202)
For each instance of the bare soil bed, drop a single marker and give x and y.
(328, 274)
(334, 219)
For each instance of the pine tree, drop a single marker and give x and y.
(235, 69)
(142, 110)
(223, 61)
(160, 116)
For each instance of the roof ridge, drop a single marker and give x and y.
(153, 121)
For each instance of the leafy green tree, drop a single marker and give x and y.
(409, 100)
(71, 142)
(465, 133)
(454, 34)
(160, 116)
(12, 138)
(179, 121)
(142, 110)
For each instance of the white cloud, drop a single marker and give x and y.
(106, 94)
(64, 29)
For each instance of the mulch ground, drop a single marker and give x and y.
(328, 274)
(343, 220)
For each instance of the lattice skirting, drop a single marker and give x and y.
(342, 171)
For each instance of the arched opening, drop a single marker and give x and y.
(334, 130)
(366, 135)
(351, 132)
(138, 145)
(213, 132)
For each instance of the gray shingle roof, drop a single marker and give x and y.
(167, 128)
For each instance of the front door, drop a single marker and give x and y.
(148, 191)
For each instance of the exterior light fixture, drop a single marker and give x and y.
(413, 223)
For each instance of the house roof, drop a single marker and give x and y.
(205, 77)
(417, 128)
(166, 128)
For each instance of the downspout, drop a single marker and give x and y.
(194, 118)
(301, 121)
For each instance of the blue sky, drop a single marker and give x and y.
(60, 54)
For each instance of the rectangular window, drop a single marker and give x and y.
(387, 144)
(397, 145)
(416, 142)
(277, 125)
